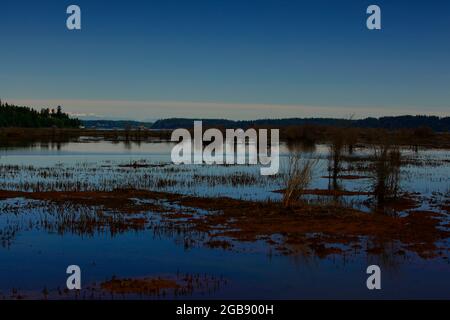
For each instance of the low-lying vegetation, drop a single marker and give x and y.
(297, 178)
(314, 228)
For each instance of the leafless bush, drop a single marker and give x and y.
(387, 163)
(297, 177)
(336, 148)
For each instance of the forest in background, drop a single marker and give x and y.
(25, 117)
(433, 123)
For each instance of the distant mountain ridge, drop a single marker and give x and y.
(438, 124)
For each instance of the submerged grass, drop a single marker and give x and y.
(315, 226)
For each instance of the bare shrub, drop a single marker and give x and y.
(336, 147)
(297, 177)
(387, 163)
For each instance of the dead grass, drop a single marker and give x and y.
(297, 178)
(316, 227)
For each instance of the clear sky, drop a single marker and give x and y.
(237, 59)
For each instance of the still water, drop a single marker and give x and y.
(34, 258)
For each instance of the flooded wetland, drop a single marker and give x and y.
(224, 156)
(142, 227)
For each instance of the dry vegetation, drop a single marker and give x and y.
(29, 136)
(297, 178)
(416, 137)
(311, 229)
(387, 172)
(316, 225)
(307, 134)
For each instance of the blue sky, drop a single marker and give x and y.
(238, 59)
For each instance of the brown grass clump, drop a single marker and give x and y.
(386, 174)
(176, 285)
(147, 286)
(301, 226)
(297, 178)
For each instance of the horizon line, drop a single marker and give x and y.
(144, 110)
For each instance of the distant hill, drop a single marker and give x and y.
(398, 122)
(18, 116)
(115, 124)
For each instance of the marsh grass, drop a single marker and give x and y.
(297, 178)
(386, 174)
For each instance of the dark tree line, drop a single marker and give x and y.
(18, 116)
(436, 124)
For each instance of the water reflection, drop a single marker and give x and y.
(39, 238)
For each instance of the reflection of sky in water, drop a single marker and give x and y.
(97, 164)
(37, 258)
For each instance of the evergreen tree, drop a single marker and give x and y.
(18, 116)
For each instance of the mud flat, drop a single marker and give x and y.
(156, 287)
(308, 229)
